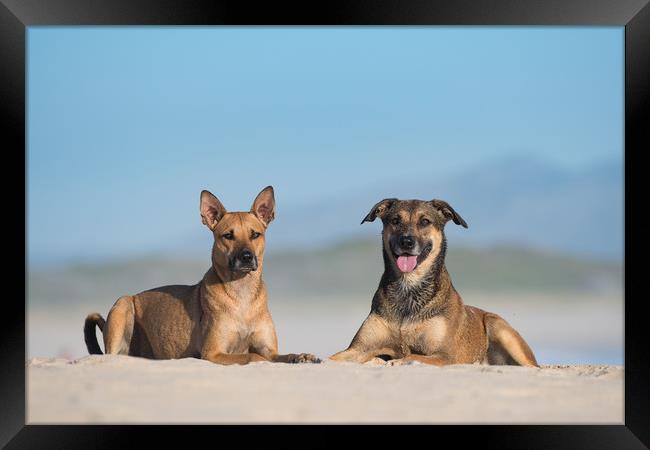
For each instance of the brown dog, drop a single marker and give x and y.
(224, 318)
(416, 313)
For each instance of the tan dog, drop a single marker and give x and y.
(416, 313)
(224, 318)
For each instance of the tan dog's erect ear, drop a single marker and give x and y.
(379, 209)
(211, 209)
(448, 212)
(264, 205)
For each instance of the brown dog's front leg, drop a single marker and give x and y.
(373, 339)
(433, 360)
(234, 358)
(355, 355)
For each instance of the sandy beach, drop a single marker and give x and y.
(581, 379)
(114, 389)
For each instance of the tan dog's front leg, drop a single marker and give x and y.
(218, 340)
(234, 358)
(435, 360)
(265, 342)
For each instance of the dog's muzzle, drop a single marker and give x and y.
(244, 261)
(408, 252)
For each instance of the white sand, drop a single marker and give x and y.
(122, 389)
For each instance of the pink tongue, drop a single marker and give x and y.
(407, 263)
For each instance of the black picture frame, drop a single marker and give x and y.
(634, 15)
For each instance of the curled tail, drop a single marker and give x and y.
(89, 332)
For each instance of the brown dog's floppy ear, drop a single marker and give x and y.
(379, 209)
(264, 205)
(448, 212)
(211, 209)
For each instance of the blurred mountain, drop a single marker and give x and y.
(515, 201)
(535, 204)
(350, 268)
(518, 201)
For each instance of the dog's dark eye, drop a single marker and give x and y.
(229, 235)
(395, 220)
(255, 235)
(424, 222)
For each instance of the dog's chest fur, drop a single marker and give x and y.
(237, 307)
(422, 338)
(414, 311)
(406, 299)
(412, 299)
(243, 316)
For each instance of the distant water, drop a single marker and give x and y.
(587, 356)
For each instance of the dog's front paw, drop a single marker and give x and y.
(376, 362)
(301, 358)
(402, 362)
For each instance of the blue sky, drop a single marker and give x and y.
(126, 125)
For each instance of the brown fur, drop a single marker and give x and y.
(224, 318)
(418, 315)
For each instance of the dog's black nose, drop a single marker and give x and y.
(406, 242)
(246, 256)
(243, 261)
